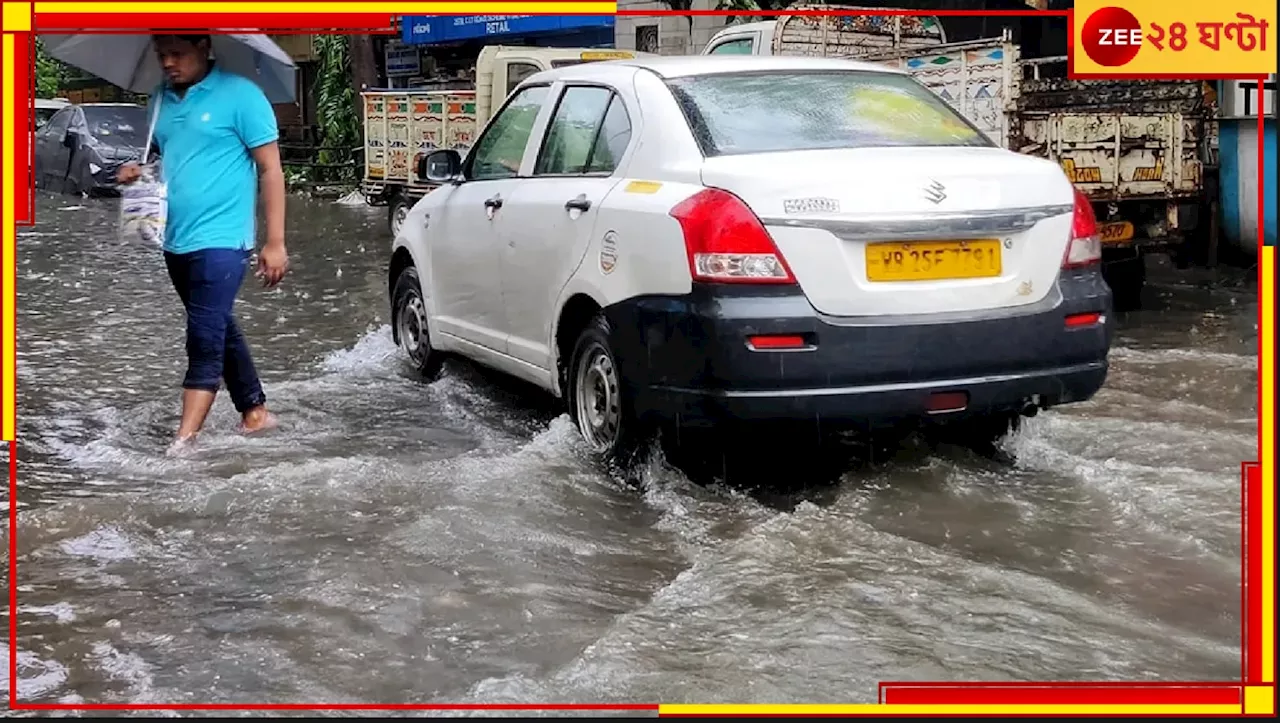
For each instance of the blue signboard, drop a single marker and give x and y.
(431, 29)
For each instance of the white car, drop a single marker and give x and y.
(718, 239)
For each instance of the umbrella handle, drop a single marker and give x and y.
(151, 128)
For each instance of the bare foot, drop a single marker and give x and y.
(257, 420)
(182, 446)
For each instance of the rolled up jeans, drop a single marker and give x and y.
(208, 282)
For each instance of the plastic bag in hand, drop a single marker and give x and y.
(144, 207)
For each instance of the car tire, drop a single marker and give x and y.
(599, 399)
(396, 212)
(409, 324)
(984, 434)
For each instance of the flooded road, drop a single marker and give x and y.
(399, 542)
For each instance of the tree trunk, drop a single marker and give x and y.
(364, 71)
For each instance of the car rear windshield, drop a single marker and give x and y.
(762, 112)
(117, 125)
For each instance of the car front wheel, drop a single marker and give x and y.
(598, 398)
(410, 324)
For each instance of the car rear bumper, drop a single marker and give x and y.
(689, 358)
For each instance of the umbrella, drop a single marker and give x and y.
(129, 61)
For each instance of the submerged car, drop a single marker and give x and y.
(81, 147)
(728, 240)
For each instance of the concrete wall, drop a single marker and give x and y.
(1239, 182)
(676, 35)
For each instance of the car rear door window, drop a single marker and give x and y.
(572, 133)
(588, 133)
(501, 148)
(612, 140)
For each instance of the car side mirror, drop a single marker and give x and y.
(443, 166)
(71, 140)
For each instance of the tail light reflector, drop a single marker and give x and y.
(1075, 321)
(777, 341)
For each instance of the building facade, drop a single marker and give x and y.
(667, 35)
(1239, 106)
(297, 117)
(436, 51)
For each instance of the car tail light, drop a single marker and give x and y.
(1085, 247)
(727, 243)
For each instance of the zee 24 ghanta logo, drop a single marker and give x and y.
(1113, 36)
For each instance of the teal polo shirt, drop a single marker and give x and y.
(205, 139)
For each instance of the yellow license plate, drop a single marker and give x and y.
(1116, 232)
(933, 260)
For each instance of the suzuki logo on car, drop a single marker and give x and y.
(935, 192)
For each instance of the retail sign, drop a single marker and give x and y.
(402, 60)
(431, 29)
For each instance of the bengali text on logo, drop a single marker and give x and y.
(1149, 37)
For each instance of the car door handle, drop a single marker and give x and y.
(579, 204)
(494, 203)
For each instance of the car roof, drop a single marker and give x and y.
(745, 27)
(677, 66)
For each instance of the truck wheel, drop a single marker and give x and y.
(409, 324)
(396, 211)
(1126, 277)
(599, 401)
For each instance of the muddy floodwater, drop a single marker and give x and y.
(402, 542)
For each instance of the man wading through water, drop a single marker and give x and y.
(216, 134)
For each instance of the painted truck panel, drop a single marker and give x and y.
(1112, 156)
(402, 126)
(852, 35)
(1120, 140)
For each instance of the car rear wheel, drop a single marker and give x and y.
(397, 210)
(599, 401)
(983, 435)
(1126, 277)
(409, 324)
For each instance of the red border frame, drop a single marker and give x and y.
(1223, 692)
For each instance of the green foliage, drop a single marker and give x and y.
(50, 74)
(336, 101)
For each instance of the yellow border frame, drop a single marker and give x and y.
(1257, 699)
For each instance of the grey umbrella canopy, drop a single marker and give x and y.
(129, 61)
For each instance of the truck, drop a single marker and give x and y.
(1143, 152)
(827, 35)
(403, 125)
